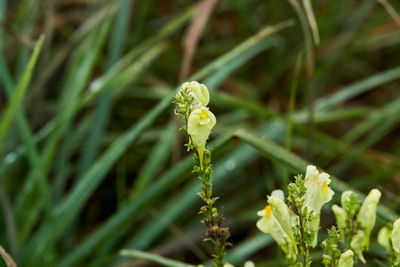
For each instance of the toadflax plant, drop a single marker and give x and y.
(191, 105)
(294, 224)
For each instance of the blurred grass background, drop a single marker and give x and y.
(91, 161)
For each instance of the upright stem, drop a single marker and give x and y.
(303, 243)
(304, 246)
(215, 233)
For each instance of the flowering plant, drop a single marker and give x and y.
(294, 226)
(191, 105)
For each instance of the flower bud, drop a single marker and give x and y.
(279, 194)
(367, 214)
(249, 264)
(346, 259)
(200, 123)
(384, 238)
(199, 92)
(359, 243)
(317, 190)
(345, 199)
(315, 220)
(395, 236)
(341, 217)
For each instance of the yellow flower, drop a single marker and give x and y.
(395, 236)
(384, 238)
(359, 243)
(346, 259)
(281, 212)
(269, 224)
(200, 123)
(367, 214)
(199, 92)
(317, 190)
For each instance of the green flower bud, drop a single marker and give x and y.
(345, 199)
(341, 217)
(315, 226)
(359, 243)
(200, 123)
(384, 238)
(346, 259)
(367, 214)
(317, 190)
(395, 236)
(249, 264)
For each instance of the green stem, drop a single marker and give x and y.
(212, 219)
(303, 243)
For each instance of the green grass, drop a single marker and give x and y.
(92, 162)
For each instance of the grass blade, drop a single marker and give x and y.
(29, 202)
(101, 113)
(154, 161)
(312, 21)
(154, 258)
(18, 94)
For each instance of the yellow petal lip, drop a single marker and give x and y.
(268, 211)
(324, 189)
(203, 114)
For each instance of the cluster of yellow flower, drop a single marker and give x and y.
(355, 222)
(278, 220)
(200, 120)
(191, 104)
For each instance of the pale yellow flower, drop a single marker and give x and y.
(395, 236)
(384, 238)
(281, 212)
(317, 190)
(199, 92)
(228, 265)
(270, 225)
(359, 243)
(367, 214)
(346, 259)
(200, 123)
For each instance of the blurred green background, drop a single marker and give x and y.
(91, 158)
